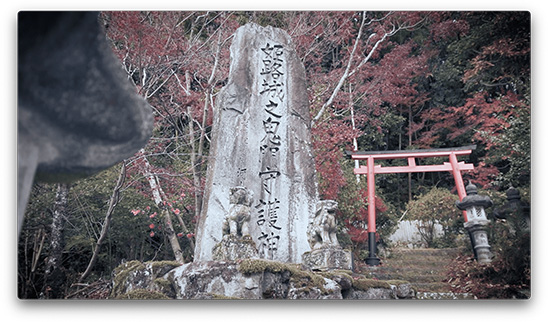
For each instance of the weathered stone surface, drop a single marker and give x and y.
(326, 252)
(136, 275)
(404, 291)
(328, 258)
(248, 279)
(232, 248)
(344, 281)
(444, 296)
(261, 141)
(257, 280)
(322, 228)
(201, 280)
(331, 291)
(395, 291)
(77, 111)
(371, 294)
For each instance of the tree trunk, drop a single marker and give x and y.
(196, 176)
(54, 276)
(196, 159)
(410, 141)
(106, 223)
(172, 236)
(354, 139)
(157, 195)
(181, 222)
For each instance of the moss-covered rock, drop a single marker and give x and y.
(365, 284)
(249, 279)
(141, 294)
(135, 275)
(254, 266)
(299, 276)
(224, 297)
(160, 268)
(122, 274)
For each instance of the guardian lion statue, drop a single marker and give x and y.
(237, 219)
(323, 228)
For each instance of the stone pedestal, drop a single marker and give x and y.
(328, 258)
(233, 247)
(477, 231)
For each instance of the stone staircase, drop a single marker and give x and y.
(424, 268)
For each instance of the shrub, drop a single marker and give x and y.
(437, 207)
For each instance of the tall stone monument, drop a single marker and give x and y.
(261, 142)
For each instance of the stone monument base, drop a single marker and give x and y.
(232, 248)
(250, 279)
(328, 258)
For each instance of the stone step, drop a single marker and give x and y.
(439, 287)
(411, 277)
(424, 268)
(416, 264)
(429, 251)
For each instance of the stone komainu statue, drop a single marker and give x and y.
(323, 228)
(237, 219)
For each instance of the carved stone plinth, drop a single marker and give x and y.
(232, 248)
(328, 258)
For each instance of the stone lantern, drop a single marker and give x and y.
(475, 205)
(515, 211)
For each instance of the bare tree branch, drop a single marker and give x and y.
(344, 75)
(106, 223)
(350, 72)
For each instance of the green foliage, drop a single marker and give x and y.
(436, 207)
(129, 236)
(513, 150)
(33, 245)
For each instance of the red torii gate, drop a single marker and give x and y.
(371, 169)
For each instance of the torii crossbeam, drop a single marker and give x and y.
(371, 169)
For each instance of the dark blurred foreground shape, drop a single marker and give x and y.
(77, 112)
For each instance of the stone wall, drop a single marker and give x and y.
(407, 233)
